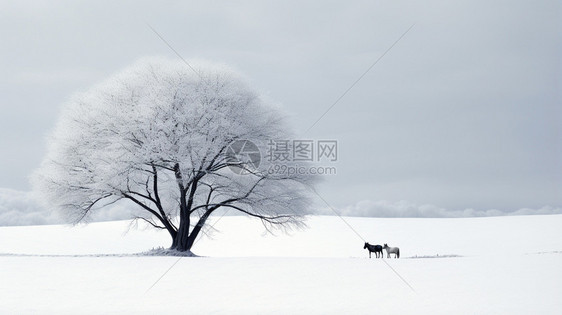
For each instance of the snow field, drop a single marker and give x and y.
(507, 265)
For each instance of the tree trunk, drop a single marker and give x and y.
(198, 226)
(186, 241)
(181, 241)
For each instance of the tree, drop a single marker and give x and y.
(161, 135)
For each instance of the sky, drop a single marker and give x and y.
(463, 113)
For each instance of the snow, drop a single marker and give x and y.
(492, 265)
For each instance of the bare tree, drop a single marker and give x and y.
(158, 135)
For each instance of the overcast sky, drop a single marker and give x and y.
(465, 111)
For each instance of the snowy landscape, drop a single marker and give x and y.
(243, 157)
(493, 265)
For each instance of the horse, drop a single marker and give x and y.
(392, 250)
(373, 248)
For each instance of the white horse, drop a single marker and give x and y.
(391, 250)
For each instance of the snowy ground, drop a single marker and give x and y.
(496, 265)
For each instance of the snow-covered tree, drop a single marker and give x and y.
(160, 134)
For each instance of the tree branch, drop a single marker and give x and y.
(145, 207)
(150, 222)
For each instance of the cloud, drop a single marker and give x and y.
(405, 209)
(20, 208)
(23, 208)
